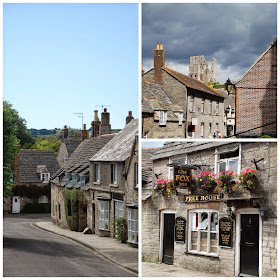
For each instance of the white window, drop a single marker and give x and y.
(229, 159)
(210, 106)
(114, 173)
(97, 173)
(82, 181)
(67, 178)
(191, 103)
(201, 130)
(180, 116)
(202, 105)
(45, 177)
(203, 231)
(74, 180)
(217, 107)
(136, 175)
(133, 225)
(176, 161)
(162, 117)
(118, 209)
(43, 199)
(210, 127)
(103, 221)
(64, 159)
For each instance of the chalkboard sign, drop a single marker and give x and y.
(225, 232)
(180, 229)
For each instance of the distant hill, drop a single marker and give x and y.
(43, 132)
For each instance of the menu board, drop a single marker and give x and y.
(180, 229)
(225, 232)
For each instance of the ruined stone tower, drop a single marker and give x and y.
(198, 69)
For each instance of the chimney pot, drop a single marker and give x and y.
(157, 46)
(105, 110)
(129, 117)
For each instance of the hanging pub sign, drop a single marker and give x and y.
(182, 177)
(225, 232)
(203, 198)
(180, 229)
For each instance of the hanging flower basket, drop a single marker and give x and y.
(225, 181)
(164, 187)
(247, 179)
(207, 181)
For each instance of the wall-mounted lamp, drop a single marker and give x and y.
(229, 212)
(262, 212)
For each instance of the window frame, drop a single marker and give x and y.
(132, 230)
(82, 181)
(202, 104)
(162, 117)
(180, 118)
(217, 107)
(44, 175)
(101, 215)
(115, 174)
(67, 178)
(74, 180)
(202, 130)
(210, 107)
(191, 103)
(97, 172)
(198, 230)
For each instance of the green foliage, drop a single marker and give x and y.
(32, 191)
(72, 199)
(10, 146)
(121, 229)
(46, 143)
(219, 86)
(36, 208)
(72, 132)
(265, 136)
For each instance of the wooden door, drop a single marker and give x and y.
(168, 238)
(16, 204)
(249, 245)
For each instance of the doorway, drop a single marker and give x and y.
(249, 245)
(168, 227)
(16, 204)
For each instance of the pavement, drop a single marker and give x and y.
(109, 248)
(150, 269)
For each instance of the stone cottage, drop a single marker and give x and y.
(113, 191)
(207, 221)
(33, 169)
(203, 107)
(256, 97)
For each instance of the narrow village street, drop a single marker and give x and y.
(31, 252)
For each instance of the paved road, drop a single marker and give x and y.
(29, 251)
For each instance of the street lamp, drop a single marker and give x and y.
(228, 85)
(261, 210)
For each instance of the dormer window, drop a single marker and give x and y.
(45, 177)
(180, 116)
(67, 179)
(82, 181)
(162, 117)
(74, 180)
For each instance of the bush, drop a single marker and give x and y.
(37, 208)
(121, 229)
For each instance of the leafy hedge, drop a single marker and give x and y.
(72, 199)
(121, 229)
(32, 191)
(37, 208)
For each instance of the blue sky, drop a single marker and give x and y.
(60, 59)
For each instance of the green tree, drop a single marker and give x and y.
(72, 132)
(46, 143)
(10, 145)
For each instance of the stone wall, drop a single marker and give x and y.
(61, 154)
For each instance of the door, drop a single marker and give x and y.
(168, 238)
(249, 244)
(16, 204)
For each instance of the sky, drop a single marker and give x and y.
(61, 59)
(235, 34)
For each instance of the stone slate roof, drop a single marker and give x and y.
(31, 161)
(78, 162)
(192, 83)
(178, 148)
(147, 164)
(154, 98)
(119, 148)
(72, 144)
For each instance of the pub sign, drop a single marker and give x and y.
(180, 229)
(182, 177)
(225, 232)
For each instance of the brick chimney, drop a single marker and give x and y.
(129, 117)
(84, 133)
(105, 127)
(159, 62)
(64, 134)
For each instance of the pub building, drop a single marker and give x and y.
(196, 219)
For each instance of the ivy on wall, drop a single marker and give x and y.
(72, 199)
(32, 191)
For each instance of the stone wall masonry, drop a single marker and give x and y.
(61, 154)
(57, 199)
